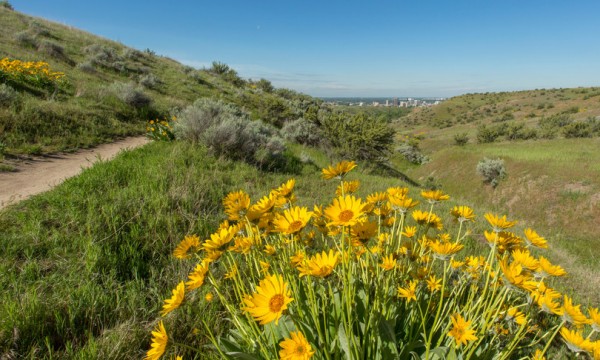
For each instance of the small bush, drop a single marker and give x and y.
(219, 68)
(5, 4)
(492, 171)
(265, 85)
(7, 95)
(131, 95)
(38, 29)
(461, 139)
(579, 129)
(518, 131)
(555, 121)
(228, 131)
(104, 56)
(302, 131)
(149, 81)
(132, 54)
(572, 110)
(204, 113)
(486, 134)
(412, 154)
(52, 49)
(87, 67)
(24, 38)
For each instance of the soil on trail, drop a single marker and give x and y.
(40, 174)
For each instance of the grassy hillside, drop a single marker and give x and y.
(110, 90)
(552, 183)
(528, 106)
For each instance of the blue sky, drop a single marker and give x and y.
(360, 48)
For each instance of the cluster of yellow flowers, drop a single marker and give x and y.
(35, 72)
(375, 278)
(161, 130)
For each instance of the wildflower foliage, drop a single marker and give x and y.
(384, 277)
(34, 73)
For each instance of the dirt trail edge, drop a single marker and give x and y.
(43, 173)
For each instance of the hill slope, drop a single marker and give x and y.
(109, 90)
(552, 181)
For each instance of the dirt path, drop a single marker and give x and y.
(43, 173)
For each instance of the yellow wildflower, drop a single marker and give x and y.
(463, 213)
(461, 331)
(347, 187)
(546, 269)
(269, 300)
(532, 238)
(175, 300)
(295, 348)
(189, 242)
(339, 170)
(159, 342)
(345, 211)
(499, 223)
(434, 284)
(572, 314)
(410, 292)
(388, 262)
(434, 196)
(320, 265)
(292, 221)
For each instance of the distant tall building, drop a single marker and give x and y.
(395, 102)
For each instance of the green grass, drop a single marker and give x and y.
(85, 267)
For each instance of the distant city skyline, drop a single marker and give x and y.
(351, 48)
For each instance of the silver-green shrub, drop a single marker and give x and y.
(131, 95)
(7, 95)
(149, 81)
(492, 171)
(412, 154)
(86, 67)
(52, 49)
(24, 38)
(228, 131)
(302, 131)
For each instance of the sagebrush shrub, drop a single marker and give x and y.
(412, 154)
(492, 171)
(581, 129)
(195, 119)
(132, 54)
(7, 95)
(5, 4)
(461, 139)
(488, 134)
(24, 38)
(228, 131)
(86, 67)
(131, 95)
(149, 81)
(302, 131)
(53, 49)
(105, 56)
(38, 29)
